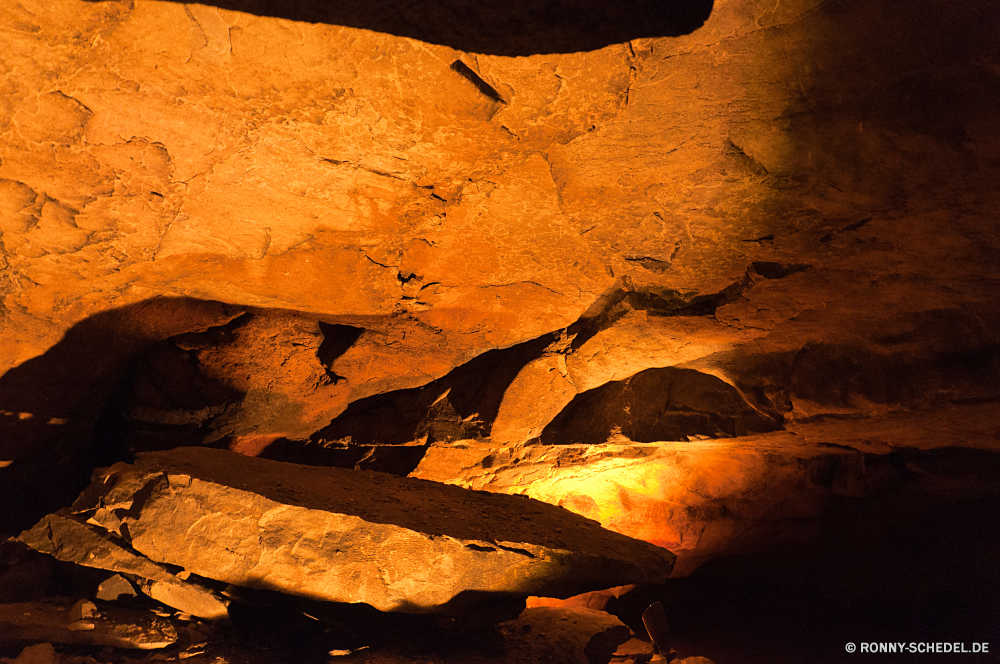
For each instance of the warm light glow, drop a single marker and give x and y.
(695, 498)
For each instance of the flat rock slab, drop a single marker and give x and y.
(398, 544)
(67, 539)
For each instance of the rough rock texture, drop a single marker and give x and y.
(41, 653)
(342, 233)
(67, 539)
(349, 536)
(581, 635)
(704, 498)
(783, 192)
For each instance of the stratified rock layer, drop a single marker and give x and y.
(796, 198)
(705, 498)
(354, 536)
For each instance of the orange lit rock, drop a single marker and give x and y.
(696, 498)
(348, 536)
(578, 635)
(703, 498)
(69, 540)
(160, 148)
(796, 201)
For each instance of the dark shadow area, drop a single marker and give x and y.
(336, 340)
(307, 630)
(164, 400)
(655, 405)
(50, 404)
(914, 565)
(395, 459)
(513, 28)
(462, 404)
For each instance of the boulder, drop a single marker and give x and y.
(398, 544)
(114, 588)
(579, 636)
(40, 653)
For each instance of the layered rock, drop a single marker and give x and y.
(450, 203)
(69, 540)
(350, 536)
(703, 498)
(297, 231)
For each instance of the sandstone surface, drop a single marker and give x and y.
(69, 540)
(704, 498)
(584, 239)
(351, 536)
(778, 193)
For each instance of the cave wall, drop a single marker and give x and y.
(302, 233)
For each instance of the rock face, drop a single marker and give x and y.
(704, 498)
(744, 250)
(349, 536)
(777, 193)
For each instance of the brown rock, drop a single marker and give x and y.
(577, 636)
(114, 626)
(67, 539)
(114, 588)
(40, 653)
(356, 536)
(795, 199)
(84, 609)
(702, 498)
(636, 649)
(596, 600)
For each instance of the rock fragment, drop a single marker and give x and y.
(40, 653)
(51, 622)
(397, 544)
(636, 650)
(83, 610)
(67, 539)
(114, 588)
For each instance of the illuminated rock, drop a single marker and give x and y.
(788, 199)
(67, 539)
(696, 498)
(354, 536)
(703, 498)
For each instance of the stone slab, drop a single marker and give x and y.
(398, 544)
